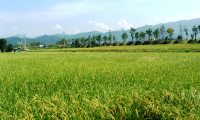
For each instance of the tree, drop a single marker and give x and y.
(105, 38)
(114, 39)
(93, 41)
(98, 38)
(170, 31)
(195, 32)
(186, 32)
(62, 42)
(180, 37)
(88, 40)
(137, 36)
(9, 48)
(142, 36)
(199, 27)
(3, 43)
(192, 36)
(149, 33)
(156, 33)
(125, 37)
(83, 41)
(132, 32)
(77, 43)
(162, 31)
(35, 44)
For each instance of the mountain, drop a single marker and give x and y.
(49, 39)
(13, 40)
(16, 40)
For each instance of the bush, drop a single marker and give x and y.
(108, 44)
(166, 41)
(104, 44)
(121, 44)
(156, 42)
(115, 44)
(97, 45)
(129, 43)
(88, 46)
(198, 41)
(178, 41)
(191, 41)
(146, 43)
(180, 37)
(138, 43)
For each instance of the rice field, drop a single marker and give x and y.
(100, 85)
(134, 48)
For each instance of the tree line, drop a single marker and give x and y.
(158, 36)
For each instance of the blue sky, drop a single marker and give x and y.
(38, 17)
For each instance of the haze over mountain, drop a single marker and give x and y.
(51, 39)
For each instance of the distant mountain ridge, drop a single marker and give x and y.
(50, 39)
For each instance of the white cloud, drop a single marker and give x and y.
(125, 24)
(100, 25)
(58, 27)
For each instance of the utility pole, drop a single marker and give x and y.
(64, 42)
(25, 48)
(181, 30)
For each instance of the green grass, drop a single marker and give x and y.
(100, 85)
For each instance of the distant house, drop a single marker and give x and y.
(43, 46)
(61, 46)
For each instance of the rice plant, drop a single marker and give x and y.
(96, 85)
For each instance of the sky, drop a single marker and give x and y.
(38, 17)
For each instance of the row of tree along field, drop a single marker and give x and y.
(160, 35)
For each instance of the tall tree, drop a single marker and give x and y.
(170, 31)
(125, 37)
(156, 33)
(114, 38)
(137, 36)
(98, 38)
(149, 33)
(195, 32)
(199, 27)
(93, 41)
(142, 36)
(186, 32)
(77, 43)
(132, 32)
(162, 31)
(105, 38)
(82, 41)
(192, 36)
(3, 43)
(88, 40)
